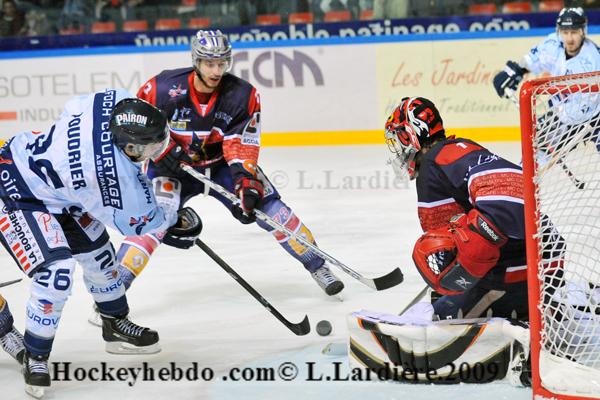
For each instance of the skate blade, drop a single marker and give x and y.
(95, 320)
(335, 349)
(126, 348)
(35, 391)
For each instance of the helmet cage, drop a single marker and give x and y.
(211, 45)
(404, 147)
(142, 152)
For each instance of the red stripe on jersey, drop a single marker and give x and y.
(497, 184)
(3, 219)
(15, 246)
(253, 102)
(292, 224)
(5, 227)
(233, 149)
(439, 216)
(18, 253)
(143, 242)
(515, 276)
(26, 267)
(148, 91)
(452, 152)
(22, 260)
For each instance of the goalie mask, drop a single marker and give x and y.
(413, 124)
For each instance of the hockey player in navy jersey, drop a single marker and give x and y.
(470, 205)
(215, 117)
(58, 190)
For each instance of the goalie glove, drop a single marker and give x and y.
(507, 80)
(184, 233)
(454, 258)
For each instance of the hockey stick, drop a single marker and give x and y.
(417, 299)
(578, 183)
(3, 284)
(300, 329)
(383, 282)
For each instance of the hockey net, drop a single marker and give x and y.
(560, 124)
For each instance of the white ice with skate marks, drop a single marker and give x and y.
(347, 197)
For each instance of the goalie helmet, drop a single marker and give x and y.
(572, 18)
(139, 129)
(413, 124)
(211, 45)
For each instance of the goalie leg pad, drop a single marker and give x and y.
(445, 352)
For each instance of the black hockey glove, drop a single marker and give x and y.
(250, 191)
(507, 80)
(169, 161)
(185, 232)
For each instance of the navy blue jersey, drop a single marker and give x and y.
(457, 175)
(224, 126)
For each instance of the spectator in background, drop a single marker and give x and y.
(76, 15)
(36, 24)
(390, 9)
(11, 19)
(126, 9)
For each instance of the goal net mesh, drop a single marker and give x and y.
(565, 116)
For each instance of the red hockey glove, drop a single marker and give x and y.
(250, 191)
(452, 259)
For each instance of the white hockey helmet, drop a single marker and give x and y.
(211, 45)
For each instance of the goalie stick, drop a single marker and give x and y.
(300, 329)
(381, 283)
(3, 284)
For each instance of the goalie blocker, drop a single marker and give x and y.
(413, 348)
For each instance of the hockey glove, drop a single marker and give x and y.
(169, 161)
(452, 259)
(507, 80)
(185, 232)
(250, 191)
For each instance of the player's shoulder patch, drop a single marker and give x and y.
(454, 151)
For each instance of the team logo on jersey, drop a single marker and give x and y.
(46, 306)
(140, 222)
(177, 91)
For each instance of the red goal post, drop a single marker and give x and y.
(561, 169)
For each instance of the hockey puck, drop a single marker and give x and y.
(324, 328)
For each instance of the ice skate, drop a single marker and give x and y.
(124, 337)
(12, 343)
(327, 280)
(36, 374)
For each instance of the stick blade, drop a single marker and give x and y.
(302, 328)
(390, 280)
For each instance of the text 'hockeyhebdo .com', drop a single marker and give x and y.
(285, 372)
(336, 180)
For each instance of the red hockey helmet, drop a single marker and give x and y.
(414, 123)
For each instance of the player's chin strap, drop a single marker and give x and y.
(383, 282)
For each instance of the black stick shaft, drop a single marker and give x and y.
(301, 328)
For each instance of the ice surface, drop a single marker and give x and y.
(346, 196)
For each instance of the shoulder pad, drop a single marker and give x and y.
(454, 151)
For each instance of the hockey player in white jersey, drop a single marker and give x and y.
(564, 52)
(58, 190)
